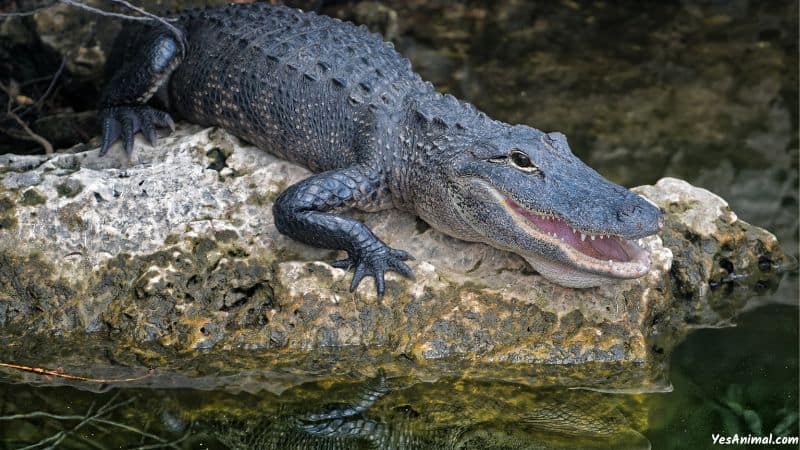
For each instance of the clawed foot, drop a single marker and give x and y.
(374, 264)
(126, 121)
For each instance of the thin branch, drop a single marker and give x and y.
(92, 9)
(172, 444)
(58, 374)
(21, 14)
(47, 91)
(58, 437)
(35, 80)
(148, 17)
(94, 418)
(48, 147)
(25, 13)
(38, 414)
(132, 430)
(103, 410)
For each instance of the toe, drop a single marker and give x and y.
(149, 132)
(401, 254)
(380, 284)
(163, 119)
(111, 131)
(361, 271)
(128, 132)
(402, 268)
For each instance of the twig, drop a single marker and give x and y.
(47, 91)
(58, 437)
(92, 9)
(132, 430)
(148, 17)
(58, 374)
(26, 13)
(173, 444)
(48, 147)
(21, 14)
(38, 414)
(103, 410)
(94, 418)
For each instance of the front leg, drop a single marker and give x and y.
(140, 67)
(302, 213)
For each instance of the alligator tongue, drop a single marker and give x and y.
(605, 249)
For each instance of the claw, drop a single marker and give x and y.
(380, 283)
(111, 132)
(128, 130)
(402, 254)
(357, 277)
(149, 132)
(126, 121)
(403, 269)
(163, 119)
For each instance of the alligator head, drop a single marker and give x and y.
(522, 190)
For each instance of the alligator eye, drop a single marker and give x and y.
(522, 161)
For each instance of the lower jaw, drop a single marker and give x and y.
(567, 276)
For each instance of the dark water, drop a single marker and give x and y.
(705, 91)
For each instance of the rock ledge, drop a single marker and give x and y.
(174, 262)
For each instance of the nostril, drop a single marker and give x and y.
(626, 212)
(639, 215)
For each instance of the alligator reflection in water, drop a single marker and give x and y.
(448, 415)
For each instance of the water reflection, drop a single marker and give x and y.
(449, 415)
(379, 413)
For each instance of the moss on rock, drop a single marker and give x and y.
(8, 219)
(32, 197)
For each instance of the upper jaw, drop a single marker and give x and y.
(587, 259)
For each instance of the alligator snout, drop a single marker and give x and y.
(639, 216)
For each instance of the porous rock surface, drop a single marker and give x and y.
(173, 261)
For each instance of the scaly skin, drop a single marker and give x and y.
(338, 100)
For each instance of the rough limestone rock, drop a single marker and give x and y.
(172, 262)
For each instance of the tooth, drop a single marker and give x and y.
(610, 262)
(583, 237)
(593, 237)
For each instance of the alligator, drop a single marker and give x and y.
(337, 99)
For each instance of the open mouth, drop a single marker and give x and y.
(597, 246)
(609, 254)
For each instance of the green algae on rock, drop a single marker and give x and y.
(165, 263)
